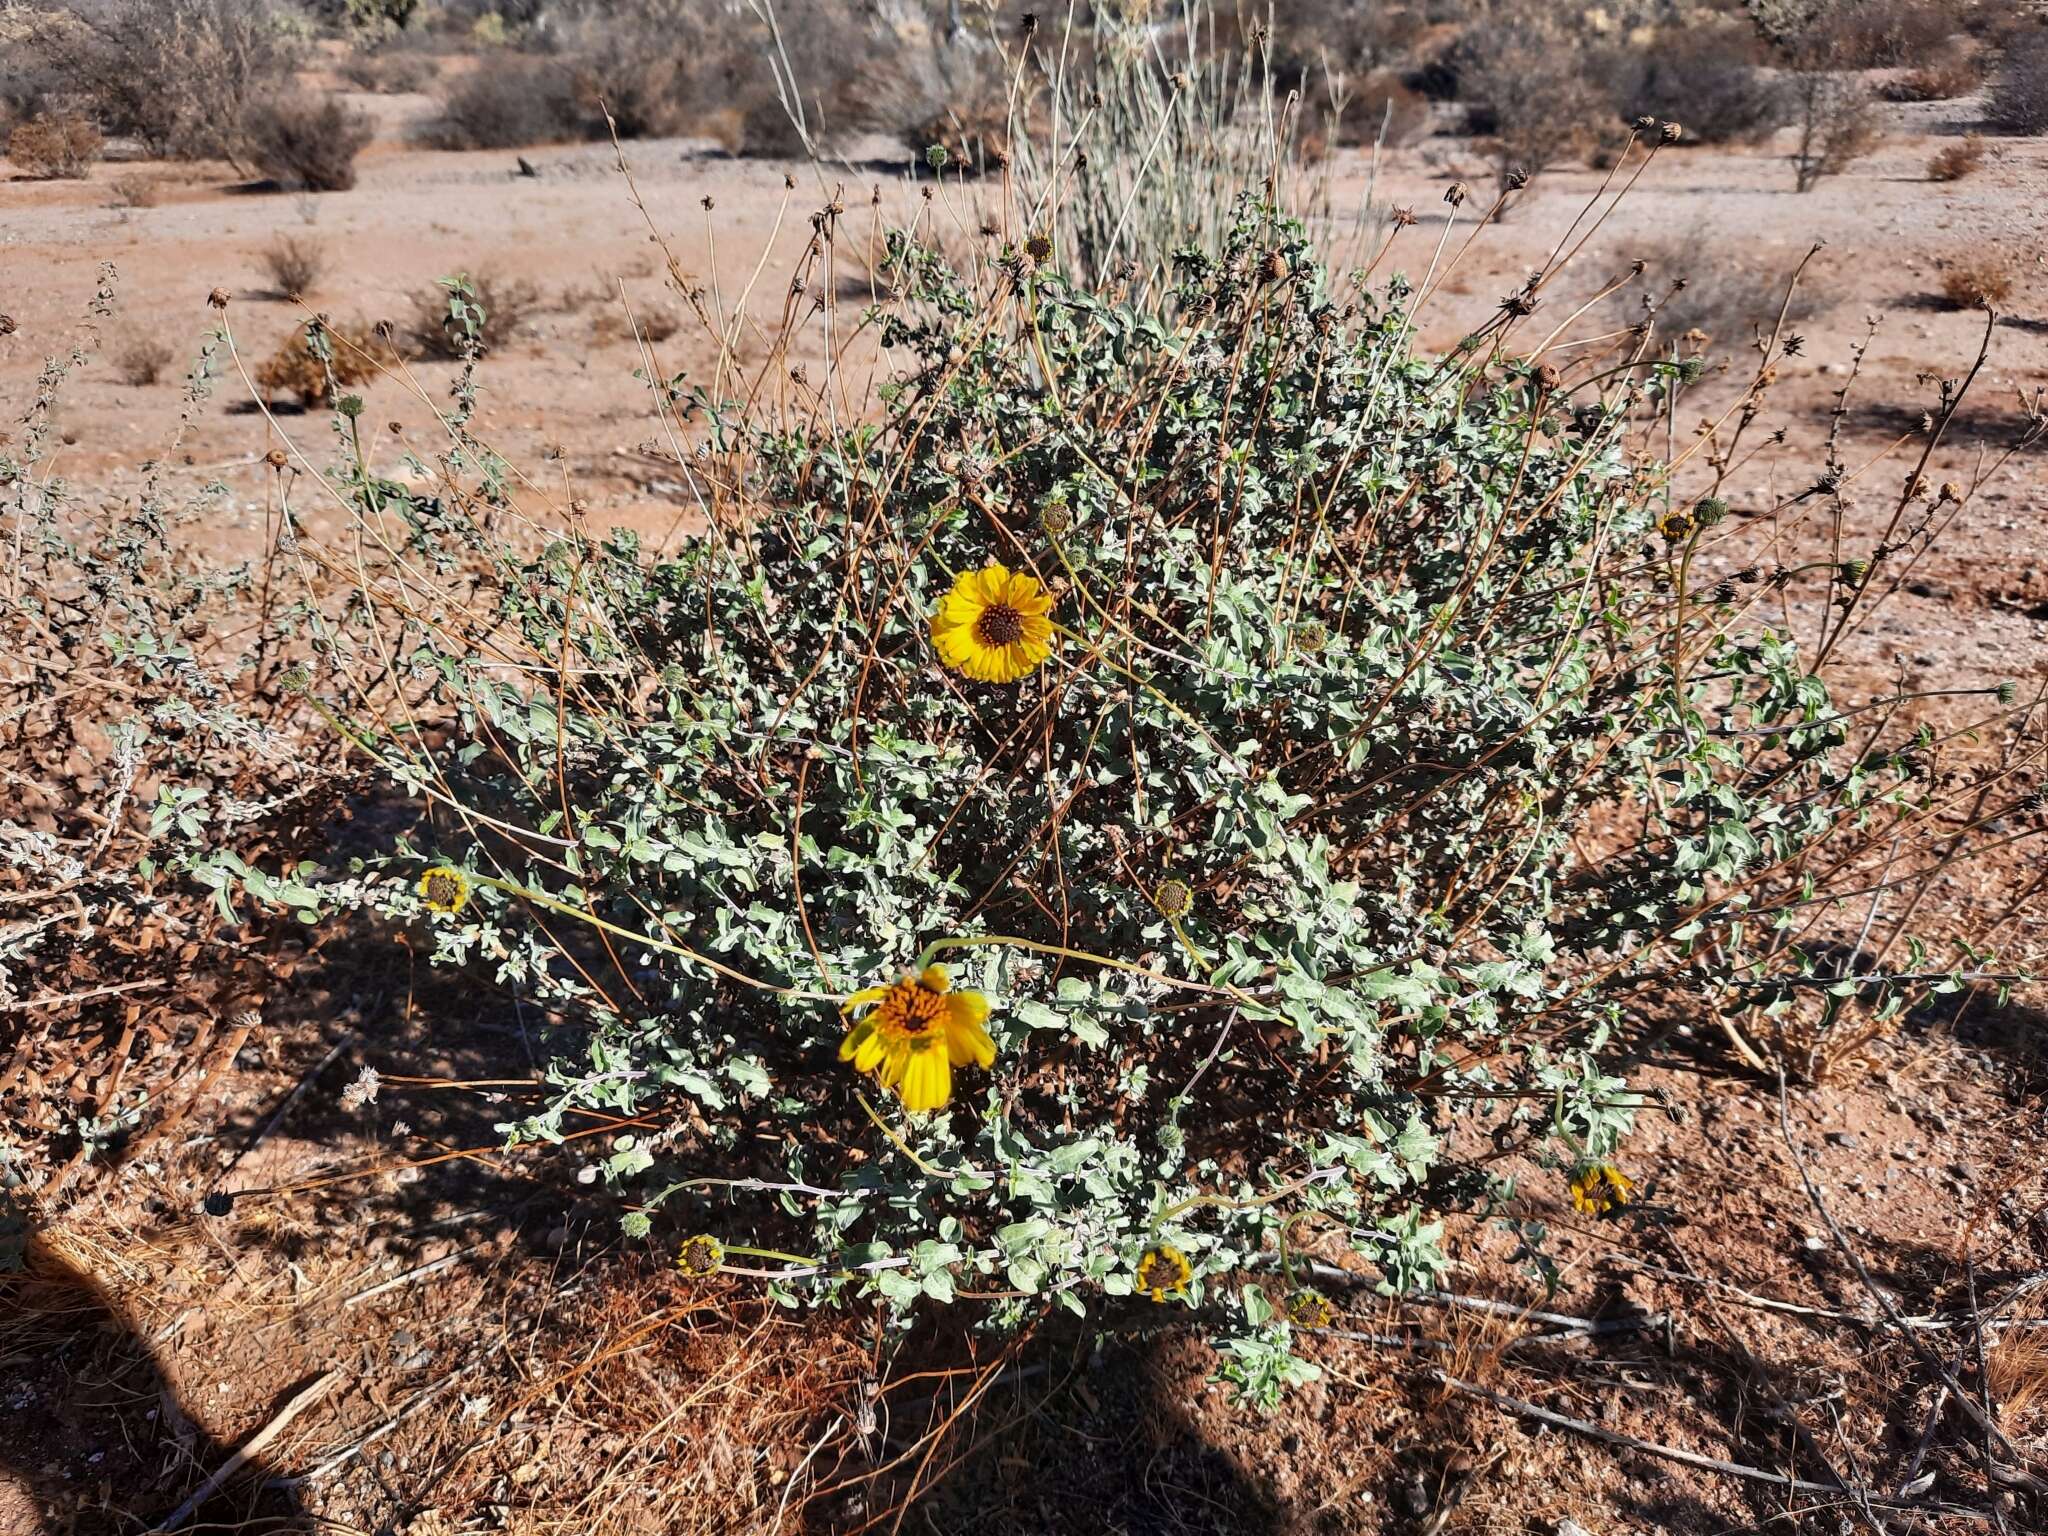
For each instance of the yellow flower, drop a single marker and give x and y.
(444, 888)
(1601, 1189)
(993, 625)
(915, 1033)
(701, 1255)
(1676, 525)
(1310, 1309)
(1164, 1271)
(1173, 898)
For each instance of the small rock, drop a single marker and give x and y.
(1412, 1498)
(1570, 1527)
(1848, 1141)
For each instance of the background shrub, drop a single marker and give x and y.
(1954, 70)
(1723, 291)
(317, 361)
(180, 75)
(466, 317)
(1708, 77)
(1954, 161)
(1835, 118)
(141, 360)
(1525, 88)
(391, 72)
(1977, 282)
(294, 264)
(2019, 94)
(307, 143)
(49, 147)
(505, 104)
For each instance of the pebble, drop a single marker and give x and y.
(1849, 1141)
(1570, 1527)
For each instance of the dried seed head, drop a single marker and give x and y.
(1039, 248)
(1274, 267)
(1515, 178)
(1645, 124)
(277, 458)
(1402, 217)
(1056, 520)
(1310, 636)
(218, 298)
(1671, 133)
(1456, 193)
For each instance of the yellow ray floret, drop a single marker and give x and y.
(913, 1034)
(1601, 1189)
(444, 888)
(994, 625)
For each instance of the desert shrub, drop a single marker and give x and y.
(1707, 77)
(1526, 91)
(2019, 95)
(1952, 162)
(180, 75)
(1720, 294)
(139, 360)
(1953, 70)
(52, 147)
(1380, 103)
(307, 143)
(316, 362)
(1367, 781)
(135, 191)
(390, 72)
(294, 264)
(467, 316)
(1886, 34)
(1836, 121)
(504, 104)
(1977, 282)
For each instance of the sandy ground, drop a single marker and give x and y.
(469, 1388)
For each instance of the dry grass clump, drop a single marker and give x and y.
(2016, 1374)
(655, 323)
(308, 145)
(1977, 282)
(294, 265)
(1836, 118)
(296, 369)
(60, 145)
(134, 191)
(141, 360)
(1952, 162)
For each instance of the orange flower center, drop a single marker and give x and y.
(999, 624)
(913, 1008)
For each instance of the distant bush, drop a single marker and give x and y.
(508, 103)
(1952, 162)
(179, 75)
(1705, 77)
(1888, 34)
(390, 73)
(316, 361)
(1525, 89)
(49, 148)
(1717, 292)
(1383, 100)
(307, 143)
(481, 313)
(1977, 282)
(1837, 122)
(141, 360)
(1954, 70)
(2019, 96)
(294, 265)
